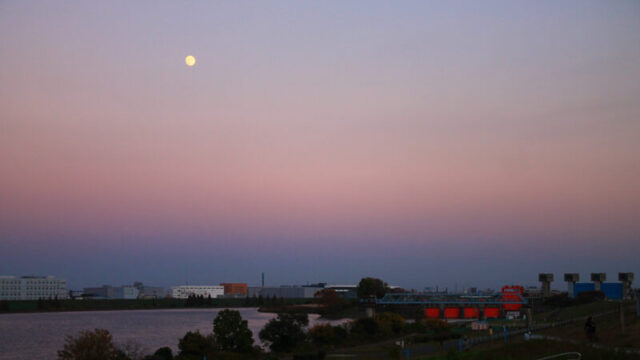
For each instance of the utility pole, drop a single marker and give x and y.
(622, 330)
(637, 302)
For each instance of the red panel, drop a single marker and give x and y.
(432, 313)
(471, 312)
(491, 313)
(512, 293)
(452, 313)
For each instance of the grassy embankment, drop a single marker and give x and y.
(531, 350)
(609, 333)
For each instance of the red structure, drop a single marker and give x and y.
(491, 313)
(471, 313)
(432, 313)
(512, 293)
(511, 299)
(452, 313)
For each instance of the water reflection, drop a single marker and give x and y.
(40, 335)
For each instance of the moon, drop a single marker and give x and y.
(190, 60)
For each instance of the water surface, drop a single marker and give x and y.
(40, 335)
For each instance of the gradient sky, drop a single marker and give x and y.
(426, 143)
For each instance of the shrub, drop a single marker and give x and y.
(90, 345)
(322, 334)
(231, 332)
(195, 346)
(390, 323)
(285, 332)
(365, 327)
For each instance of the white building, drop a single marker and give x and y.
(32, 288)
(183, 291)
(127, 292)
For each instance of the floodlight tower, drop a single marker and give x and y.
(626, 279)
(571, 280)
(546, 280)
(598, 279)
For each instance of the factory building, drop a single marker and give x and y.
(345, 291)
(611, 290)
(184, 291)
(103, 292)
(297, 292)
(112, 292)
(148, 292)
(32, 288)
(234, 289)
(137, 290)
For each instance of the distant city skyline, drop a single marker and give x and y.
(424, 143)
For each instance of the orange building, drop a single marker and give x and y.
(235, 288)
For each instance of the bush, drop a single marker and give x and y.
(163, 353)
(435, 324)
(390, 324)
(587, 297)
(195, 346)
(365, 327)
(322, 334)
(90, 345)
(231, 332)
(285, 332)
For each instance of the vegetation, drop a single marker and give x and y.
(370, 287)
(90, 345)
(195, 346)
(164, 353)
(285, 332)
(231, 332)
(563, 300)
(531, 350)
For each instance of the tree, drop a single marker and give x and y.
(195, 346)
(132, 350)
(285, 332)
(369, 287)
(231, 332)
(327, 297)
(90, 345)
(163, 353)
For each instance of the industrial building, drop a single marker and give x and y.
(137, 290)
(345, 291)
(284, 291)
(234, 289)
(612, 290)
(112, 292)
(32, 288)
(147, 292)
(301, 292)
(506, 304)
(184, 291)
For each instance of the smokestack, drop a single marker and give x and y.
(263, 279)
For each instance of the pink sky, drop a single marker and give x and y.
(355, 127)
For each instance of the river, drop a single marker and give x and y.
(40, 335)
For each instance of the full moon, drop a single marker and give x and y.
(190, 60)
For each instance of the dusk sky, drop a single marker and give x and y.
(471, 143)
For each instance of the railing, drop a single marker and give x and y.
(424, 299)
